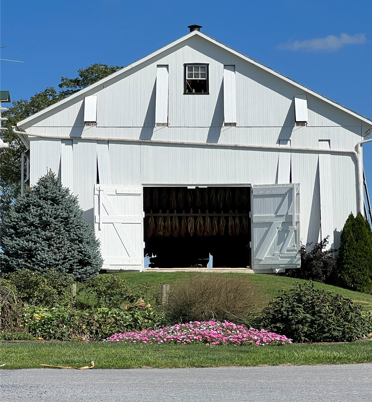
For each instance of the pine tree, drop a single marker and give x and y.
(355, 258)
(46, 229)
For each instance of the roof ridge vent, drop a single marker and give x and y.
(194, 27)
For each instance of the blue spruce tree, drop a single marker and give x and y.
(46, 229)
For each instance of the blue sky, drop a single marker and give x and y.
(325, 45)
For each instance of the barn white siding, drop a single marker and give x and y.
(155, 164)
(45, 155)
(67, 164)
(85, 175)
(146, 104)
(262, 101)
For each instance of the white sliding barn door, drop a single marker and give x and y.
(275, 227)
(119, 226)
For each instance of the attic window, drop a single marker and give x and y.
(196, 79)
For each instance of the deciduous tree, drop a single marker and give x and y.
(10, 159)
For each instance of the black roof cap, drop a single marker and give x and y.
(194, 27)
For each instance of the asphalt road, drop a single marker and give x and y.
(288, 383)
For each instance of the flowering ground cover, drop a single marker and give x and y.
(206, 332)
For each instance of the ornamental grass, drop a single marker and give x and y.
(205, 332)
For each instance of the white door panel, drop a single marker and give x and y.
(119, 226)
(275, 227)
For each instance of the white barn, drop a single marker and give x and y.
(198, 150)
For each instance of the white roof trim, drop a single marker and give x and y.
(221, 45)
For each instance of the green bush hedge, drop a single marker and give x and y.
(306, 314)
(43, 289)
(94, 324)
(112, 291)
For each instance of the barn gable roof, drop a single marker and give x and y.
(177, 42)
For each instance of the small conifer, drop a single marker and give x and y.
(355, 258)
(46, 229)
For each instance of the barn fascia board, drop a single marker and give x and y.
(177, 42)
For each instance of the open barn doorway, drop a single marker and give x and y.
(197, 227)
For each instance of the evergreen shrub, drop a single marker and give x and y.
(317, 265)
(306, 314)
(355, 257)
(46, 229)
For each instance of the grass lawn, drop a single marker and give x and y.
(121, 356)
(268, 286)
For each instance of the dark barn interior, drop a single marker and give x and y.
(184, 226)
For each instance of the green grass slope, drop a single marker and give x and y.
(269, 286)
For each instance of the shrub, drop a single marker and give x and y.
(355, 258)
(10, 308)
(306, 314)
(16, 336)
(107, 290)
(94, 324)
(45, 289)
(46, 229)
(317, 265)
(207, 297)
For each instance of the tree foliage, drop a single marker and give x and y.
(355, 258)
(10, 159)
(86, 77)
(45, 229)
(319, 264)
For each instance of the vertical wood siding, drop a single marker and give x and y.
(67, 164)
(326, 199)
(103, 160)
(284, 164)
(85, 175)
(45, 155)
(265, 115)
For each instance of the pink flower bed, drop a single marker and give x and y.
(207, 332)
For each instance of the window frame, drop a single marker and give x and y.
(185, 79)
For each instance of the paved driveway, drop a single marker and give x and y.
(289, 383)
